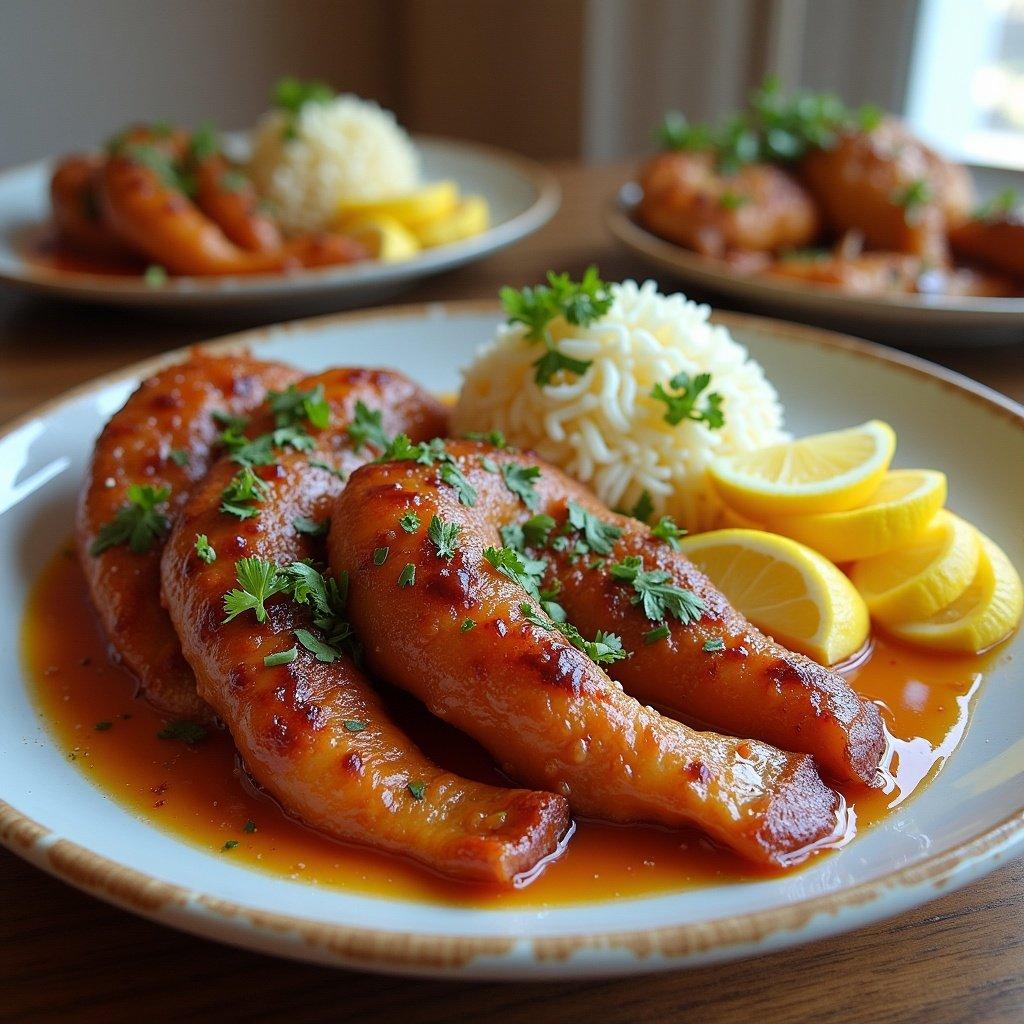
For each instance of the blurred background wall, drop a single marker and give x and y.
(551, 78)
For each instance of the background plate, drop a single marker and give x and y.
(959, 827)
(522, 195)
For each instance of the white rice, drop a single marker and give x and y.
(347, 149)
(603, 427)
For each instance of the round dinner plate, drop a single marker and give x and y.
(522, 196)
(904, 320)
(963, 824)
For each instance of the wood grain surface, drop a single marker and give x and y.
(66, 956)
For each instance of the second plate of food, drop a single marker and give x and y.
(154, 812)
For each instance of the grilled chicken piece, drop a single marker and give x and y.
(437, 618)
(164, 436)
(314, 733)
(996, 242)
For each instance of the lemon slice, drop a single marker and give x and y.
(785, 589)
(903, 505)
(470, 217)
(986, 613)
(430, 202)
(918, 579)
(386, 238)
(824, 473)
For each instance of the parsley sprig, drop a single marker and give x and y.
(682, 403)
(579, 303)
(654, 592)
(519, 480)
(243, 493)
(444, 536)
(367, 428)
(258, 581)
(598, 535)
(604, 649)
(138, 524)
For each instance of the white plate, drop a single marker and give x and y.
(522, 195)
(963, 824)
(904, 320)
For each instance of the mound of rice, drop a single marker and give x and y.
(603, 427)
(346, 149)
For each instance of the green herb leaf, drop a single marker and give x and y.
(204, 549)
(155, 276)
(233, 180)
(320, 650)
(188, 732)
(102, 726)
(244, 491)
(281, 658)
(139, 523)
(354, 725)
(489, 464)
(999, 207)
(407, 577)
(416, 789)
(410, 522)
(730, 200)
(291, 94)
(258, 580)
(380, 555)
(604, 649)
(467, 625)
(367, 428)
(230, 844)
(655, 594)
(652, 636)
(492, 437)
(683, 404)
(599, 536)
(714, 645)
(666, 530)
(643, 508)
(444, 536)
(291, 407)
(320, 464)
(178, 456)
(519, 480)
(527, 572)
(450, 474)
(303, 524)
(249, 826)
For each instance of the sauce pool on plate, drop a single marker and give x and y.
(198, 791)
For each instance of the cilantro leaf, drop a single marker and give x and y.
(327, 467)
(444, 536)
(292, 406)
(604, 649)
(683, 404)
(643, 508)
(410, 522)
(665, 529)
(527, 572)
(492, 437)
(598, 535)
(519, 480)
(367, 427)
(321, 651)
(258, 580)
(407, 577)
(416, 789)
(281, 658)
(204, 549)
(310, 527)
(450, 474)
(139, 523)
(179, 456)
(714, 645)
(655, 594)
(244, 491)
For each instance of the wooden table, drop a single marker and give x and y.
(63, 954)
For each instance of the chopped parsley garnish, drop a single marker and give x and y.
(1000, 206)
(665, 529)
(354, 725)
(138, 524)
(244, 491)
(492, 437)
(527, 572)
(321, 651)
(914, 197)
(230, 844)
(676, 132)
(291, 94)
(102, 726)
(416, 789)
(380, 555)
(714, 645)
(281, 658)
(367, 428)
(303, 524)
(190, 733)
(407, 577)
(599, 536)
(489, 464)
(410, 522)
(204, 549)
(519, 480)
(320, 464)
(655, 594)
(325, 595)
(258, 580)
(444, 536)
(249, 826)
(730, 200)
(291, 407)
(228, 421)
(467, 625)
(578, 303)
(204, 142)
(450, 474)
(652, 636)
(178, 456)
(643, 508)
(261, 451)
(683, 404)
(155, 276)
(604, 649)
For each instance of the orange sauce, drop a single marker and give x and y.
(43, 249)
(201, 795)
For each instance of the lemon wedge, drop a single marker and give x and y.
(387, 239)
(472, 216)
(986, 613)
(785, 589)
(829, 472)
(430, 202)
(916, 580)
(904, 504)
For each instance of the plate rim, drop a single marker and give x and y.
(198, 291)
(419, 952)
(893, 310)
